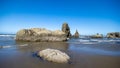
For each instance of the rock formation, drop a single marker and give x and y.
(76, 35)
(40, 34)
(97, 36)
(113, 35)
(54, 55)
(66, 29)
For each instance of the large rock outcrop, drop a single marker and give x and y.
(66, 29)
(76, 35)
(54, 55)
(97, 36)
(113, 35)
(40, 34)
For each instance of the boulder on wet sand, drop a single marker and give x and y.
(40, 34)
(54, 55)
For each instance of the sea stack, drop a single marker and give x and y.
(40, 35)
(76, 35)
(66, 29)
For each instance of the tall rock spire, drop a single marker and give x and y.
(66, 29)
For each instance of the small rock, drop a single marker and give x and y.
(76, 35)
(97, 36)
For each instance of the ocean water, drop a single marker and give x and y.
(83, 52)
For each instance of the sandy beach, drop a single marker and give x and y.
(23, 55)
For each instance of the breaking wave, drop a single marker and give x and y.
(93, 41)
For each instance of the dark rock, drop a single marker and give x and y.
(39, 34)
(76, 35)
(66, 29)
(113, 35)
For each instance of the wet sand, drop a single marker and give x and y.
(23, 55)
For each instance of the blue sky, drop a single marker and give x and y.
(87, 16)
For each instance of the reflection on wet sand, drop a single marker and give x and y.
(37, 46)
